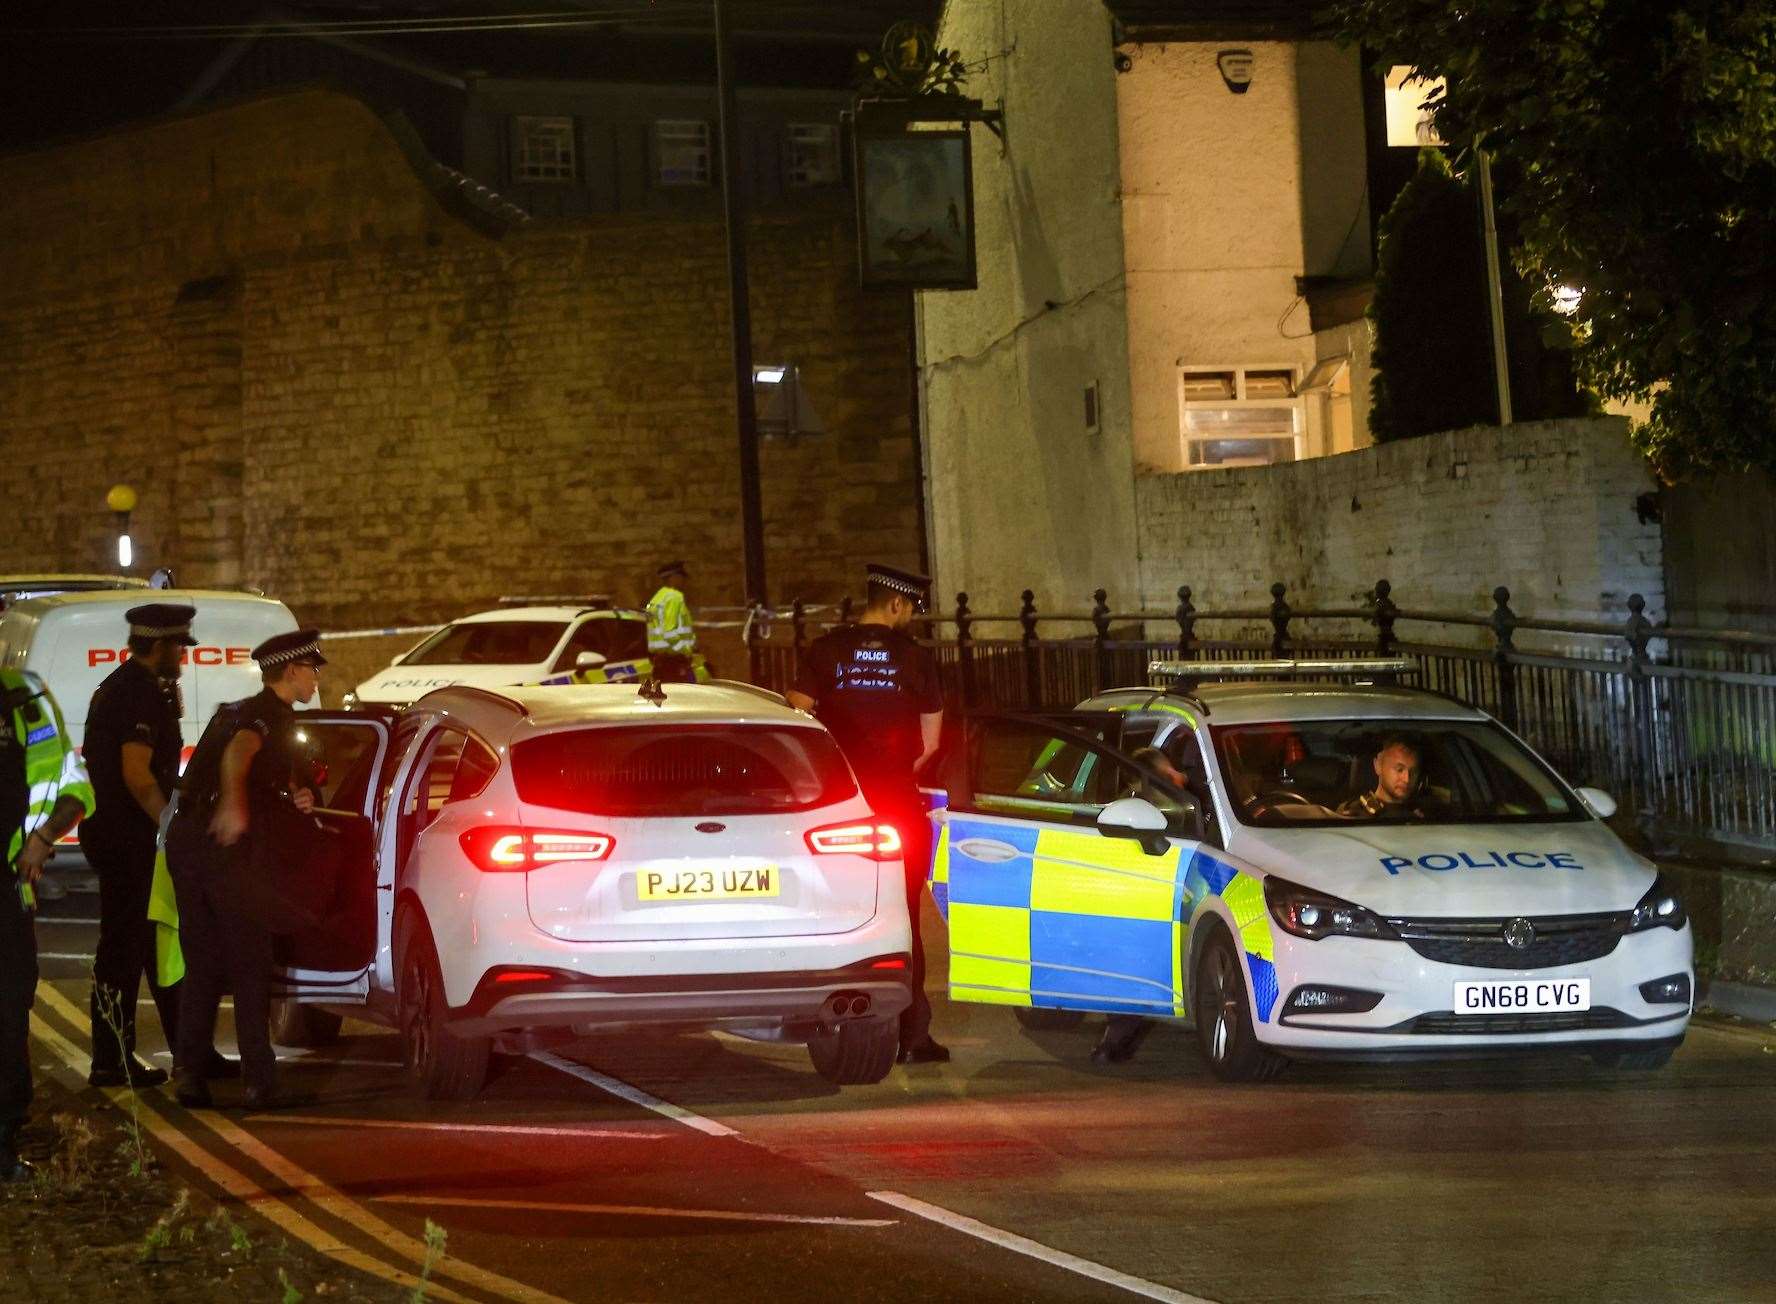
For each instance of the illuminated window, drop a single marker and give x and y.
(1238, 416)
(681, 152)
(542, 149)
(813, 154)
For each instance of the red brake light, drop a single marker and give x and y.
(496, 849)
(877, 841)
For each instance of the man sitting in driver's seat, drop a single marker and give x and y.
(1158, 765)
(1399, 792)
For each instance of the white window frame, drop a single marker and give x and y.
(1294, 401)
(813, 154)
(682, 155)
(552, 156)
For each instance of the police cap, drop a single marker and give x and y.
(909, 584)
(298, 647)
(162, 620)
(672, 568)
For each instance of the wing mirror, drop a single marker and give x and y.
(1597, 801)
(588, 661)
(1137, 818)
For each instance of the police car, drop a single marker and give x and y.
(1269, 896)
(590, 643)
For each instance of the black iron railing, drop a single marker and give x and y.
(1679, 724)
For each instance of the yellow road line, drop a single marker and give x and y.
(236, 1183)
(324, 1197)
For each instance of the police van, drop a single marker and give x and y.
(73, 640)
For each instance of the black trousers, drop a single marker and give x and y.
(224, 950)
(124, 862)
(18, 988)
(897, 800)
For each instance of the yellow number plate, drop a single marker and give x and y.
(707, 884)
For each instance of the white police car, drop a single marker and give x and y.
(1270, 895)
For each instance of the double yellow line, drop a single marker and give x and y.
(279, 1207)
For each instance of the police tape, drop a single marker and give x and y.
(389, 632)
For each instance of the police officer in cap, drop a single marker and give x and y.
(132, 753)
(672, 639)
(243, 762)
(876, 689)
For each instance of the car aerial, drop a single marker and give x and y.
(521, 866)
(589, 642)
(1256, 897)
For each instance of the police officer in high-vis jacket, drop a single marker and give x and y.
(672, 639)
(43, 793)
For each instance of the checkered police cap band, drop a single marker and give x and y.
(899, 585)
(289, 654)
(160, 631)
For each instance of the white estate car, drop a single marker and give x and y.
(515, 645)
(1500, 915)
(531, 864)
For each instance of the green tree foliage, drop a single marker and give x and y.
(1640, 141)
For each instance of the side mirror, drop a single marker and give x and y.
(588, 661)
(1597, 801)
(1137, 818)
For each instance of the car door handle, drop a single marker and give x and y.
(989, 851)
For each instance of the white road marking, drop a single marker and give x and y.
(634, 1095)
(63, 955)
(289, 1060)
(46, 919)
(1036, 1250)
(503, 1129)
(638, 1210)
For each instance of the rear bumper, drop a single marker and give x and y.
(512, 998)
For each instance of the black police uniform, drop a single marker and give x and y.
(225, 944)
(870, 685)
(132, 705)
(18, 952)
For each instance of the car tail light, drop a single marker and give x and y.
(877, 841)
(497, 849)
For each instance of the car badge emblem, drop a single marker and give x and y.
(710, 826)
(1519, 934)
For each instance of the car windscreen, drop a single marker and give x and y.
(488, 643)
(1334, 773)
(649, 770)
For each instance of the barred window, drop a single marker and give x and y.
(543, 149)
(681, 152)
(813, 154)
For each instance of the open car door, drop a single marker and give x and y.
(330, 962)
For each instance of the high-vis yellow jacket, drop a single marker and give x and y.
(53, 768)
(669, 622)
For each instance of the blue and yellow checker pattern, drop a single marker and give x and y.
(1067, 918)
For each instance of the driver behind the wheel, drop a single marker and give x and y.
(1399, 777)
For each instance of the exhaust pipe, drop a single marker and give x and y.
(846, 1005)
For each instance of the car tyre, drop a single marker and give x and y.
(1041, 1020)
(1223, 1016)
(440, 1064)
(856, 1052)
(1640, 1061)
(303, 1025)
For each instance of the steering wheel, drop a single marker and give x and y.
(1266, 802)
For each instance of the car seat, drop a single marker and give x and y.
(1323, 780)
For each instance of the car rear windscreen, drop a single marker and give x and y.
(488, 643)
(682, 770)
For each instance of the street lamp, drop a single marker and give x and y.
(121, 499)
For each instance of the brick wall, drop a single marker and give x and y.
(1546, 508)
(323, 384)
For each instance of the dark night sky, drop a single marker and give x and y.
(67, 80)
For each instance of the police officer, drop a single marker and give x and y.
(43, 792)
(876, 689)
(242, 763)
(672, 641)
(132, 752)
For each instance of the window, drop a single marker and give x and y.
(813, 154)
(1239, 416)
(488, 643)
(612, 638)
(681, 152)
(1031, 772)
(474, 772)
(542, 149)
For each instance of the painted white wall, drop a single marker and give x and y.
(1020, 495)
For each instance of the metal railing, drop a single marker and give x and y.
(1679, 724)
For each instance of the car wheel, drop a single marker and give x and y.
(1224, 1017)
(303, 1025)
(1040, 1020)
(856, 1052)
(1643, 1061)
(440, 1064)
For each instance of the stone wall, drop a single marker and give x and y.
(1546, 508)
(323, 384)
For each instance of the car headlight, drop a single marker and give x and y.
(1305, 913)
(1661, 907)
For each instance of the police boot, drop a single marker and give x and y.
(13, 1168)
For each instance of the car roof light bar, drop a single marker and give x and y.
(1284, 667)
